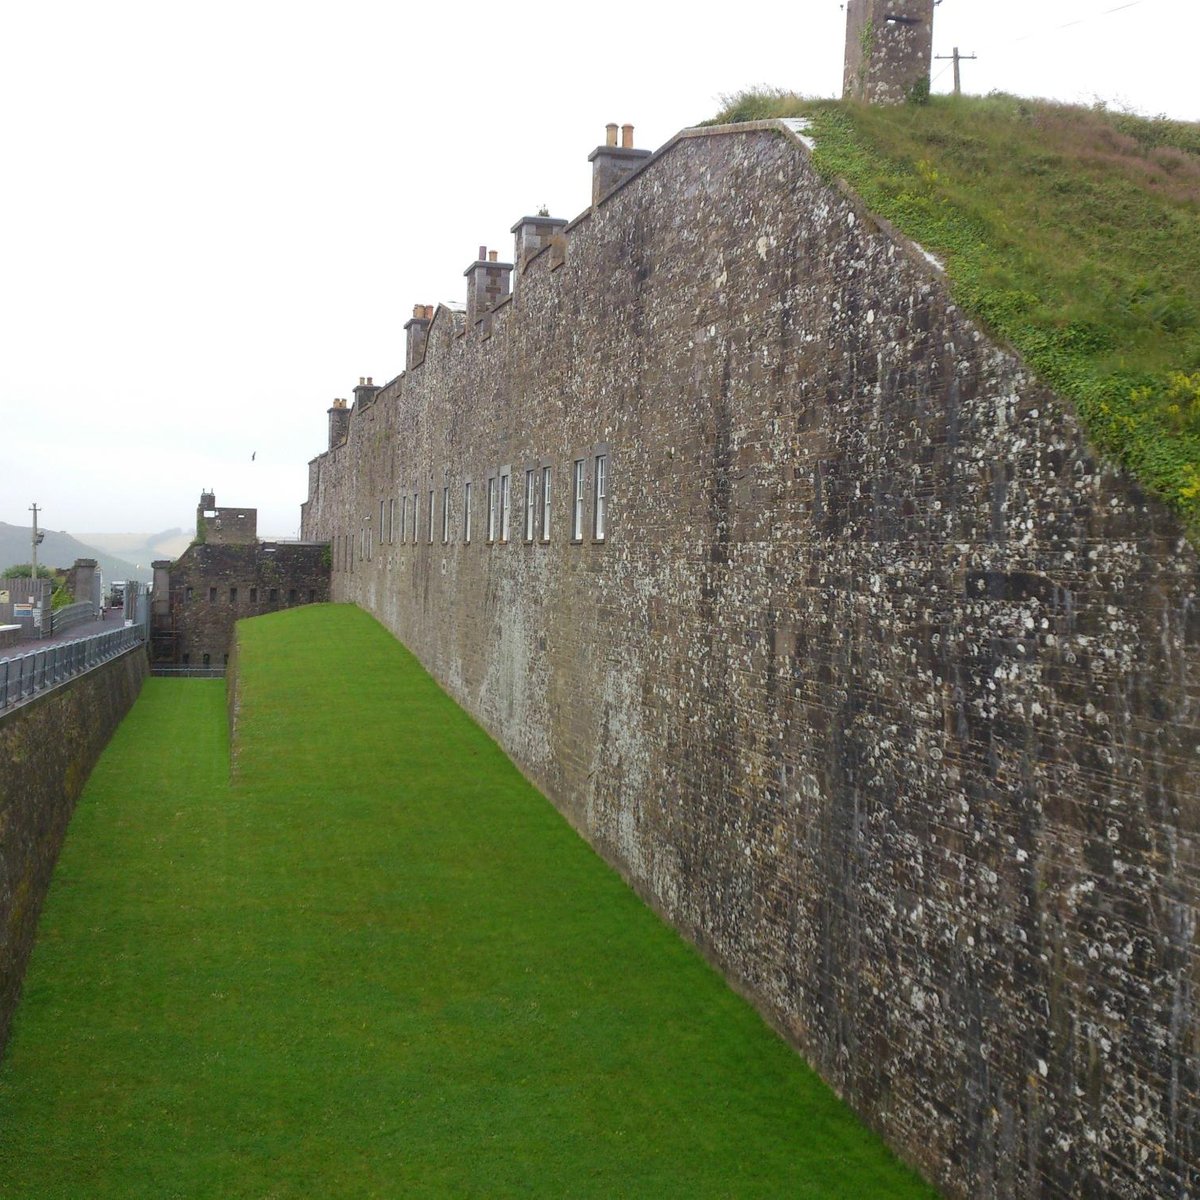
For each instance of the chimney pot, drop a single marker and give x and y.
(370, 381)
(627, 136)
(429, 312)
(418, 310)
(361, 381)
(492, 255)
(610, 134)
(482, 253)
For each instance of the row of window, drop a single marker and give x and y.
(272, 596)
(405, 519)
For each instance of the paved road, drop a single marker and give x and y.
(114, 618)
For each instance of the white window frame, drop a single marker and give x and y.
(600, 477)
(505, 503)
(416, 517)
(547, 478)
(530, 504)
(431, 516)
(491, 508)
(445, 514)
(577, 479)
(467, 511)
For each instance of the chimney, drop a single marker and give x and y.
(531, 234)
(339, 423)
(417, 332)
(365, 393)
(488, 282)
(612, 163)
(889, 49)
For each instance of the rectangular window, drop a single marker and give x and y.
(445, 515)
(187, 595)
(491, 509)
(233, 595)
(312, 595)
(403, 518)
(530, 504)
(600, 497)
(381, 522)
(505, 480)
(254, 595)
(431, 516)
(577, 501)
(391, 519)
(212, 595)
(416, 519)
(274, 595)
(545, 504)
(291, 595)
(467, 511)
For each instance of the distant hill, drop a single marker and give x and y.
(61, 550)
(141, 547)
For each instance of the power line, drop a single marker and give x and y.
(1078, 21)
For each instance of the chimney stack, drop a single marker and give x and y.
(488, 282)
(417, 333)
(612, 163)
(365, 392)
(531, 234)
(339, 423)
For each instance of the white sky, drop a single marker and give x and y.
(215, 218)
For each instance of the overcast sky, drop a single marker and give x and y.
(215, 218)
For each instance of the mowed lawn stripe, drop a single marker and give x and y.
(377, 963)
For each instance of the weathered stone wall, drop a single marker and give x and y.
(212, 587)
(889, 49)
(880, 687)
(47, 750)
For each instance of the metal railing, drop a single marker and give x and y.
(170, 671)
(25, 675)
(71, 615)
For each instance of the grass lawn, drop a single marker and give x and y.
(377, 963)
(1073, 234)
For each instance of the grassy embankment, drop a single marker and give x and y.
(1072, 233)
(377, 964)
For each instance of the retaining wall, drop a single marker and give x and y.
(880, 686)
(48, 747)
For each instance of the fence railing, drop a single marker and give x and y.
(173, 672)
(71, 615)
(25, 675)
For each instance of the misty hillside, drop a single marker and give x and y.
(61, 550)
(141, 547)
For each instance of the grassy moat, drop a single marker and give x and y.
(378, 964)
(1072, 233)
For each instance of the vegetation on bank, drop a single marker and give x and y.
(1072, 233)
(60, 597)
(377, 963)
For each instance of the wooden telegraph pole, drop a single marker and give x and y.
(957, 59)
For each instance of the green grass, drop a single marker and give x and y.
(1072, 233)
(377, 964)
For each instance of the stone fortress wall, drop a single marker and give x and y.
(49, 746)
(878, 685)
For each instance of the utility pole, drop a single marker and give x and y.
(957, 59)
(34, 539)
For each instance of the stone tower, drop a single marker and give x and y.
(889, 49)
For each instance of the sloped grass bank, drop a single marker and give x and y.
(377, 964)
(1072, 233)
